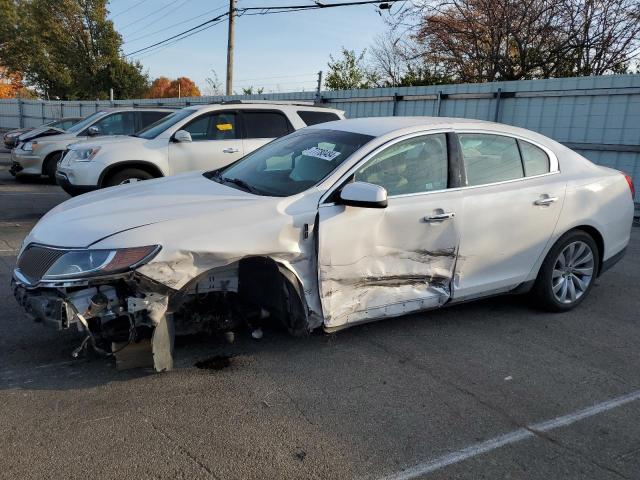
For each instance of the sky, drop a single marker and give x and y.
(279, 52)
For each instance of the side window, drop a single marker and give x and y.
(213, 126)
(490, 158)
(412, 166)
(310, 117)
(536, 161)
(121, 123)
(147, 118)
(265, 124)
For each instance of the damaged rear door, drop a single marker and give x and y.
(384, 262)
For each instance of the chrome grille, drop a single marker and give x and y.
(35, 261)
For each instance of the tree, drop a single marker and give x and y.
(252, 91)
(183, 87)
(349, 72)
(214, 85)
(489, 40)
(159, 88)
(67, 49)
(11, 86)
(395, 64)
(163, 87)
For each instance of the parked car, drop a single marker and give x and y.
(11, 138)
(39, 155)
(331, 226)
(194, 138)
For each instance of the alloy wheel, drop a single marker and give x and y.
(572, 272)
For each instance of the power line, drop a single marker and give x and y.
(179, 34)
(167, 45)
(130, 8)
(146, 17)
(270, 10)
(168, 27)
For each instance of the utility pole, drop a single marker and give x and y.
(232, 15)
(319, 87)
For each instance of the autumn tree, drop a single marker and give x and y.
(183, 87)
(67, 49)
(163, 87)
(488, 40)
(12, 86)
(159, 88)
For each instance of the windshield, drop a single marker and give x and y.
(82, 124)
(291, 164)
(156, 128)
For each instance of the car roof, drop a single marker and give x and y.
(379, 126)
(138, 108)
(263, 105)
(392, 126)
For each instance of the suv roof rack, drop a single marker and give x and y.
(299, 103)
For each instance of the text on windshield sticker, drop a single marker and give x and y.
(320, 153)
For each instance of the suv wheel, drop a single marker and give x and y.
(128, 175)
(568, 272)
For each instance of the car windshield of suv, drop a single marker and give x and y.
(81, 125)
(291, 164)
(155, 129)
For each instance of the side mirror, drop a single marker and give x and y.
(362, 194)
(182, 136)
(93, 131)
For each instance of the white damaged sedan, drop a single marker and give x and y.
(331, 226)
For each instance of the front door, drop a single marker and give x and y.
(375, 263)
(215, 142)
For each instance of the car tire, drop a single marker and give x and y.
(567, 273)
(51, 166)
(128, 175)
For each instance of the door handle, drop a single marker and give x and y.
(545, 201)
(230, 150)
(439, 217)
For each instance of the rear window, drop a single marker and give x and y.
(265, 124)
(490, 158)
(310, 117)
(536, 161)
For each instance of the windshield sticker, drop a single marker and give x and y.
(321, 153)
(223, 127)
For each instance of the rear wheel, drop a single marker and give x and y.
(128, 175)
(568, 272)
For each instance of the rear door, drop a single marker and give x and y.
(146, 118)
(262, 126)
(215, 142)
(512, 201)
(383, 262)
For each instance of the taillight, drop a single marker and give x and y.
(629, 180)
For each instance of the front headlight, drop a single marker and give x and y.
(82, 263)
(83, 154)
(30, 146)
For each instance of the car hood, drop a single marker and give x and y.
(107, 140)
(49, 137)
(87, 219)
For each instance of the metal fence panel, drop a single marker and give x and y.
(597, 116)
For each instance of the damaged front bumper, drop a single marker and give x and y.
(109, 311)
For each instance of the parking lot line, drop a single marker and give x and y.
(512, 437)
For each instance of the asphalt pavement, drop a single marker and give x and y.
(493, 389)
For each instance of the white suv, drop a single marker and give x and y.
(41, 152)
(203, 137)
